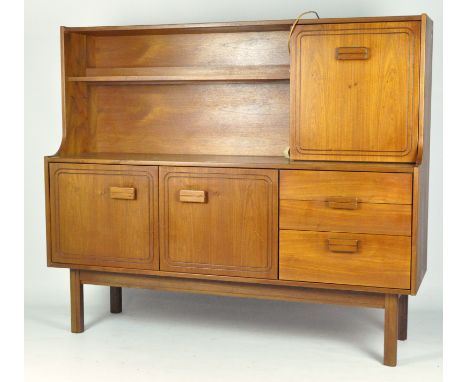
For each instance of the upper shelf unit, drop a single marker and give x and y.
(182, 74)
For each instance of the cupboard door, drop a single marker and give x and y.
(104, 215)
(219, 221)
(354, 91)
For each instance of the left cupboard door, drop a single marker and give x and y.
(104, 215)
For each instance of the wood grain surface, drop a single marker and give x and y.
(355, 109)
(379, 260)
(235, 232)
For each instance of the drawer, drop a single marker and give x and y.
(388, 219)
(351, 259)
(339, 201)
(364, 187)
(219, 221)
(104, 215)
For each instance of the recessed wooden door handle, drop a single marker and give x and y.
(192, 196)
(343, 245)
(342, 202)
(128, 193)
(352, 53)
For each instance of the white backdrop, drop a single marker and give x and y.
(48, 286)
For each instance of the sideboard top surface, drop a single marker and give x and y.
(240, 25)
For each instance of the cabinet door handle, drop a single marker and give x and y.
(128, 193)
(342, 202)
(352, 53)
(192, 196)
(343, 245)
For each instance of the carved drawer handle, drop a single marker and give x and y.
(127, 193)
(343, 245)
(352, 53)
(192, 196)
(342, 202)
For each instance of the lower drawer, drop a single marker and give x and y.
(352, 259)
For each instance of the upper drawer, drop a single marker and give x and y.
(346, 187)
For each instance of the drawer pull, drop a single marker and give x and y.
(127, 193)
(343, 245)
(342, 202)
(192, 196)
(352, 53)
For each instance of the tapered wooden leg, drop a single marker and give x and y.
(76, 298)
(116, 300)
(391, 330)
(403, 318)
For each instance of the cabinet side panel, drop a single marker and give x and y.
(75, 134)
(47, 211)
(421, 173)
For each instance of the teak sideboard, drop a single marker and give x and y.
(210, 158)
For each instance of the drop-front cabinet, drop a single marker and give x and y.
(267, 159)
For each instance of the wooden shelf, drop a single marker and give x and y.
(182, 74)
(238, 161)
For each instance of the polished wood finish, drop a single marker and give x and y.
(247, 118)
(235, 289)
(243, 280)
(241, 26)
(403, 318)
(421, 173)
(74, 95)
(351, 53)
(236, 161)
(362, 109)
(199, 50)
(115, 299)
(204, 158)
(367, 187)
(76, 302)
(232, 119)
(391, 330)
(90, 226)
(170, 74)
(126, 193)
(357, 202)
(192, 196)
(234, 233)
(342, 202)
(383, 219)
(343, 245)
(351, 259)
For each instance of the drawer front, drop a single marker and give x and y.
(104, 215)
(219, 221)
(388, 219)
(355, 92)
(351, 259)
(339, 201)
(365, 187)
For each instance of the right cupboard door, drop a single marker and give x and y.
(219, 221)
(354, 91)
